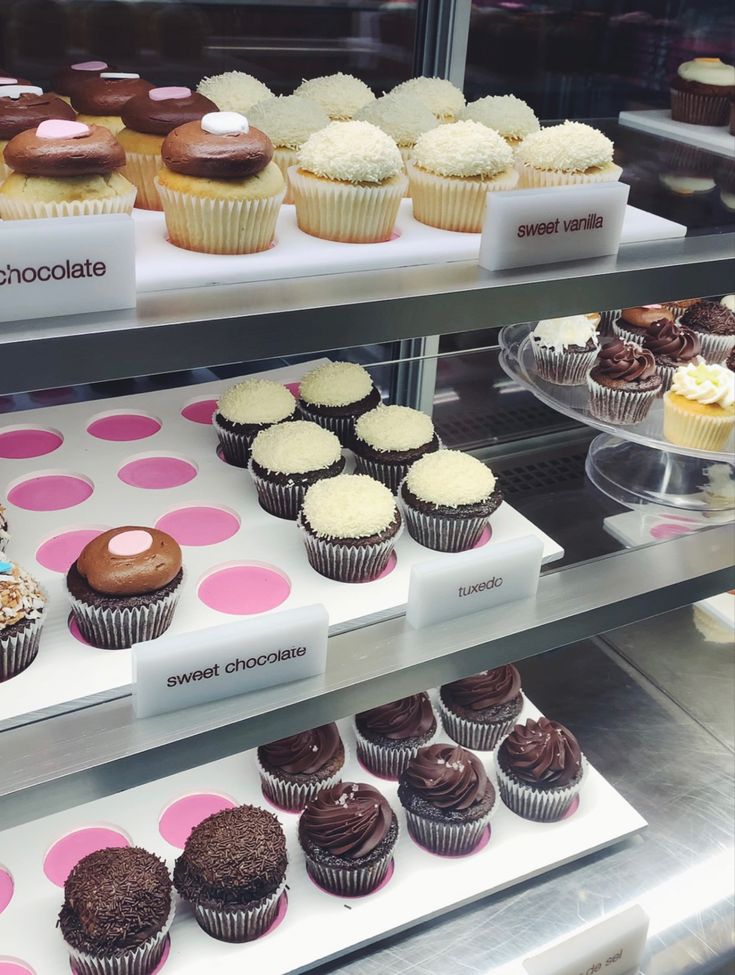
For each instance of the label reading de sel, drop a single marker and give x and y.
(66, 265)
(524, 228)
(466, 582)
(181, 670)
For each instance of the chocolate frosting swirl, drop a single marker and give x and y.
(447, 776)
(711, 317)
(666, 338)
(191, 151)
(645, 315)
(106, 96)
(411, 717)
(65, 79)
(305, 752)
(129, 575)
(541, 752)
(349, 819)
(143, 114)
(27, 111)
(86, 155)
(486, 690)
(625, 362)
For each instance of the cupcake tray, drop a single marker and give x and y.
(715, 138)
(238, 559)
(316, 926)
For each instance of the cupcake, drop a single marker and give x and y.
(683, 184)
(478, 711)
(448, 799)
(447, 498)
(220, 190)
(244, 410)
(633, 324)
(117, 911)
(349, 525)
(65, 80)
(335, 394)
(288, 458)
(4, 533)
(295, 769)
(348, 183)
(389, 439)
(730, 361)
(340, 95)
(22, 606)
(234, 91)
(672, 346)
(348, 833)
(623, 383)
(389, 736)
(233, 873)
(729, 302)
(678, 307)
(511, 117)
(701, 92)
(540, 770)
(148, 118)
(565, 348)
(100, 100)
(64, 169)
(288, 121)
(443, 99)
(402, 116)
(24, 107)
(560, 155)
(699, 409)
(714, 323)
(124, 586)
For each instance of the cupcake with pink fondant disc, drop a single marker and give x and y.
(24, 107)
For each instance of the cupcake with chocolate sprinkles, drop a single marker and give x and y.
(294, 769)
(389, 736)
(233, 873)
(117, 911)
(479, 711)
(714, 324)
(244, 410)
(389, 439)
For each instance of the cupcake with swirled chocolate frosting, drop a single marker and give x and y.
(293, 770)
(390, 735)
(632, 324)
(672, 346)
(623, 383)
(479, 711)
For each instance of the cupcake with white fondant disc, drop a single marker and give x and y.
(244, 410)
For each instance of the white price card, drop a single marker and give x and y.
(66, 265)
(181, 670)
(524, 228)
(467, 582)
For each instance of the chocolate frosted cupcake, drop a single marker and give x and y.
(678, 307)
(389, 736)
(565, 348)
(288, 458)
(65, 80)
(348, 833)
(335, 394)
(714, 324)
(479, 711)
(233, 873)
(244, 410)
(623, 383)
(125, 585)
(633, 324)
(4, 533)
(701, 92)
(100, 100)
(293, 770)
(540, 770)
(24, 107)
(389, 439)
(22, 606)
(448, 799)
(117, 911)
(730, 361)
(672, 346)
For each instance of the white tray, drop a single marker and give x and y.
(317, 926)
(67, 670)
(659, 122)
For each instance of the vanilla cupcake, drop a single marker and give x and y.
(101, 99)
(340, 95)
(348, 183)
(402, 116)
(511, 117)
(234, 91)
(568, 153)
(335, 394)
(389, 439)
(288, 121)
(244, 410)
(699, 409)
(453, 169)
(443, 99)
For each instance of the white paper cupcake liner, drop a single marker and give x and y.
(451, 203)
(619, 405)
(563, 368)
(348, 563)
(120, 627)
(136, 961)
(532, 177)
(349, 882)
(235, 445)
(716, 348)
(476, 735)
(341, 426)
(19, 650)
(238, 926)
(293, 796)
(388, 763)
(284, 500)
(696, 430)
(14, 209)
(687, 106)
(141, 169)
(390, 474)
(443, 533)
(539, 805)
(447, 839)
(606, 320)
(285, 159)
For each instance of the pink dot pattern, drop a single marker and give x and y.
(200, 411)
(123, 427)
(157, 473)
(199, 525)
(50, 492)
(6, 889)
(59, 552)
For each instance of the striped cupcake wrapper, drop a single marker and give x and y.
(349, 882)
(443, 533)
(293, 796)
(235, 446)
(619, 405)
(284, 500)
(388, 763)
(447, 839)
(687, 106)
(716, 348)
(389, 474)
(238, 926)
(624, 335)
(348, 563)
(18, 651)
(141, 960)
(563, 368)
(478, 736)
(538, 805)
(118, 628)
(341, 426)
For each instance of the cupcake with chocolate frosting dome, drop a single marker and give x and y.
(100, 100)
(234, 91)
(443, 99)
(65, 80)
(672, 346)
(714, 323)
(288, 121)
(340, 95)
(479, 711)
(509, 116)
(24, 107)
(244, 410)
(389, 736)
(335, 394)
(560, 155)
(623, 383)
(22, 608)
(294, 770)
(633, 324)
(389, 439)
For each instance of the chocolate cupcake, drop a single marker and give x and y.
(125, 585)
(22, 607)
(65, 80)
(672, 346)
(448, 799)
(4, 533)
(348, 833)
(288, 458)
(730, 361)
(701, 92)
(565, 348)
(389, 736)
(540, 770)
(100, 100)
(294, 769)
(335, 394)
(623, 383)
(714, 323)
(233, 873)
(633, 324)
(680, 305)
(246, 409)
(389, 439)
(479, 711)
(24, 107)
(117, 911)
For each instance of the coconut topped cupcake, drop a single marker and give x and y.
(571, 330)
(25, 106)
(21, 597)
(234, 91)
(395, 428)
(288, 120)
(336, 384)
(465, 149)
(160, 110)
(58, 148)
(340, 95)
(450, 478)
(349, 506)
(571, 147)
(351, 152)
(728, 301)
(401, 115)
(511, 117)
(440, 96)
(296, 448)
(256, 401)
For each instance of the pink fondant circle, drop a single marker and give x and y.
(89, 66)
(6, 888)
(50, 492)
(56, 128)
(59, 552)
(31, 442)
(245, 589)
(200, 411)
(66, 853)
(120, 427)
(133, 542)
(157, 473)
(179, 819)
(199, 525)
(172, 91)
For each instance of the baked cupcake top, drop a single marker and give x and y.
(447, 777)
(25, 106)
(160, 110)
(571, 147)
(450, 478)
(64, 80)
(711, 317)
(645, 315)
(728, 301)
(295, 448)
(559, 333)
(401, 115)
(21, 597)
(351, 152)
(463, 149)
(707, 71)
(336, 384)
(542, 753)
(340, 95)
(129, 561)
(61, 148)
(288, 120)
(233, 91)
(511, 117)
(706, 383)
(668, 340)
(220, 145)
(394, 428)
(256, 401)
(114, 899)
(304, 753)
(349, 506)
(624, 362)
(349, 819)
(410, 717)
(480, 692)
(443, 99)
(108, 92)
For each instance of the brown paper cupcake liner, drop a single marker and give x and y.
(695, 429)
(563, 368)
(141, 960)
(716, 348)
(12, 209)
(293, 796)
(239, 926)
(348, 563)
(284, 500)
(619, 405)
(686, 106)
(443, 533)
(118, 628)
(19, 650)
(451, 203)
(349, 882)
(388, 763)
(475, 735)
(447, 839)
(141, 169)
(538, 805)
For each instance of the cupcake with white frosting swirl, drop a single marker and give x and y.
(565, 348)
(565, 154)
(699, 409)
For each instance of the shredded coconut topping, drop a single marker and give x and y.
(394, 428)
(401, 115)
(354, 152)
(256, 401)
(559, 333)
(336, 384)
(572, 147)
(508, 115)
(233, 91)
(21, 597)
(440, 96)
(450, 478)
(295, 448)
(349, 506)
(288, 120)
(463, 149)
(340, 95)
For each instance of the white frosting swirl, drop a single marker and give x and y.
(352, 152)
(707, 71)
(705, 383)
(348, 506)
(559, 333)
(450, 478)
